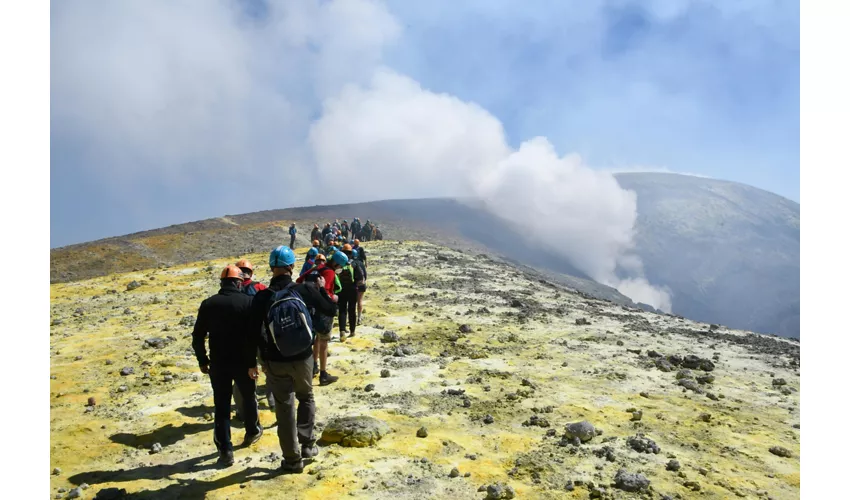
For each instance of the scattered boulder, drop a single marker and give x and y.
(583, 430)
(454, 473)
(422, 432)
(630, 482)
(369, 388)
(465, 329)
(389, 336)
(75, 493)
(653, 354)
(705, 379)
(156, 342)
(781, 452)
(664, 365)
(582, 322)
(684, 374)
(691, 384)
(779, 382)
(488, 419)
(673, 465)
(156, 448)
(643, 444)
(499, 492)
(110, 494)
(187, 321)
(133, 285)
(385, 373)
(127, 370)
(57, 471)
(358, 431)
(637, 415)
(91, 402)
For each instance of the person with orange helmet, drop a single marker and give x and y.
(316, 234)
(226, 318)
(249, 287)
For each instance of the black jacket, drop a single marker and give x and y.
(226, 317)
(316, 299)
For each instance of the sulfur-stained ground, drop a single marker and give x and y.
(521, 354)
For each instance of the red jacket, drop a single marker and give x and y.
(325, 272)
(257, 285)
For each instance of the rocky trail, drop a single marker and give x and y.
(469, 379)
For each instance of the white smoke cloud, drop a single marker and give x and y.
(178, 92)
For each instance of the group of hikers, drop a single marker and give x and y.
(287, 324)
(336, 233)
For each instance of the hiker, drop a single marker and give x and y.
(282, 330)
(329, 238)
(310, 260)
(378, 234)
(316, 233)
(366, 233)
(226, 318)
(344, 229)
(292, 231)
(325, 231)
(249, 288)
(328, 271)
(359, 255)
(351, 277)
(355, 228)
(361, 252)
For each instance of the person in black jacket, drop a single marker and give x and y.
(290, 378)
(349, 278)
(226, 318)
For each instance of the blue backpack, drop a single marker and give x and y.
(288, 325)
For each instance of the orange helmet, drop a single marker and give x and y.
(356, 242)
(316, 243)
(315, 226)
(246, 264)
(321, 258)
(346, 248)
(231, 271)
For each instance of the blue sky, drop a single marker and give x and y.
(161, 114)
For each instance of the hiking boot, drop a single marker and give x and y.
(326, 378)
(315, 369)
(292, 467)
(343, 331)
(342, 338)
(309, 451)
(225, 458)
(252, 438)
(351, 334)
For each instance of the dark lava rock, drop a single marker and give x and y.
(691, 361)
(454, 472)
(705, 417)
(630, 482)
(156, 342)
(422, 432)
(127, 370)
(693, 485)
(465, 329)
(691, 385)
(664, 365)
(778, 382)
(607, 452)
(706, 379)
(582, 322)
(488, 419)
(385, 373)
(91, 402)
(536, 421)
(781, 452)
(643, 444)
(637, 416)
(644, 394)
(673, 465)
(516, 303)
(583, 430)
(133, 285)
(455, 392)
(156, 448)
(369, 388)
(653, 354)
(187, 321)
(499, 492)
(675, 359)
(684, 374)
(389, 336)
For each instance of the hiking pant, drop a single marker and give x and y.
(290, 381)
(237, 400)
(347, 307)
(292, 241)
(222, 378)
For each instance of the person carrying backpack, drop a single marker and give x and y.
(226, 318)
(366, 233)
(316, 233)
(249, 288)
(310, 260)
(361, 252)
(292, 231)
(351, 277)
(328, 271)
(344, 229)
(282, 332)
(355, 228)
(378, 234)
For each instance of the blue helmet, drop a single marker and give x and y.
(339, 259)
(281, 256)
(312, 252)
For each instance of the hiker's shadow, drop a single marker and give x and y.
(183, 488)
(165, 435)
(160, 471)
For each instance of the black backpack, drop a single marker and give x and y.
(288, 325)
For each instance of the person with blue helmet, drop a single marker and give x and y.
(290, 377)
(310, 260)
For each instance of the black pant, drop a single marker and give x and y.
(292, 241)
(348, 304)
(222, 377)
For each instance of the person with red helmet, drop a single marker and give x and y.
(249, 288)
(226, 317)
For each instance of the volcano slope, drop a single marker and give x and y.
(492, 362)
